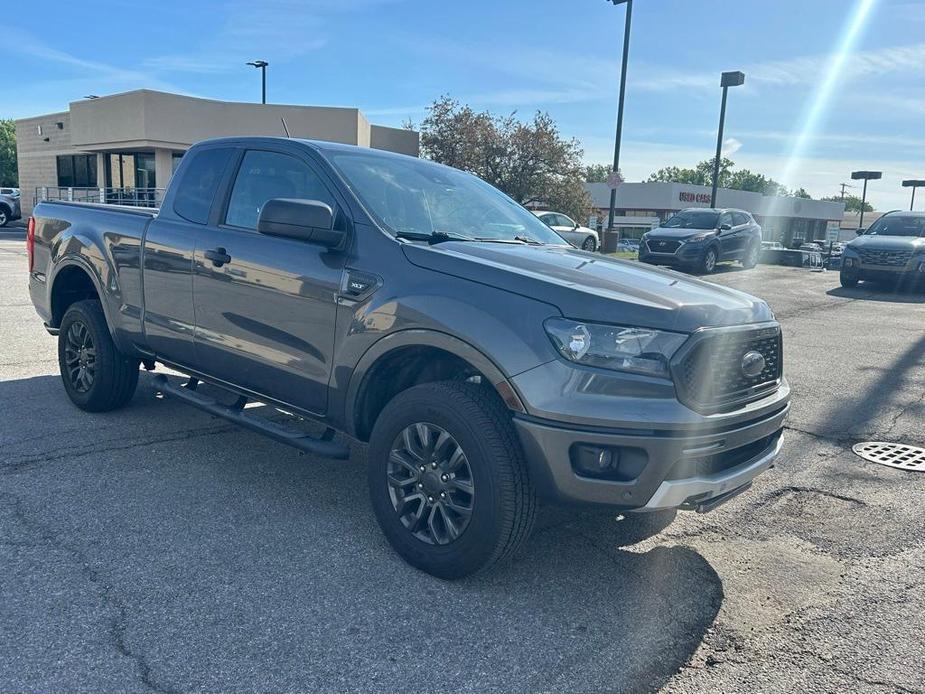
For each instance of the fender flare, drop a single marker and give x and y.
(72, 260)
(417, 337)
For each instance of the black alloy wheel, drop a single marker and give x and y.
(430, 483)
(79, 357)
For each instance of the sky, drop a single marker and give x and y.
(831, 85)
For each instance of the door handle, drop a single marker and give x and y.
(218, 256)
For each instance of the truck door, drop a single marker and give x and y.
(169, 242)
(265, 306)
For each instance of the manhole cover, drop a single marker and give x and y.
(896, 455)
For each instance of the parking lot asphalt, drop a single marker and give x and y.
(160, 549)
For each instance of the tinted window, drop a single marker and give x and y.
(693, 219)
(898, 225)
(549, 219)
(725, 218)
(739, 218)
(267, 175)
(196, 190)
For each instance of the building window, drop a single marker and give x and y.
(77, 171)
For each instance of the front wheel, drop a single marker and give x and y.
(447, 479)
(4, 217)
(708, 264)
(848, 279)
(589, 244)
(97, 377)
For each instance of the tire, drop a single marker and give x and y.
(589, 244)
(848, 281)
(708, 263)
(96, 376)
(751, 257)
(502, 503)
(4, 216)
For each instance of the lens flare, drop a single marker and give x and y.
(822, 96)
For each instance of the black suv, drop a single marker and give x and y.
(697, 239)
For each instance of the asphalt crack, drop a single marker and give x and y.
(118, 624)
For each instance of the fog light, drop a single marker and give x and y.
(593, 461)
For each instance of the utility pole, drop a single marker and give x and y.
(843, 186)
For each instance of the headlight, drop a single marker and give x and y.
(636, 350)
(699, 237)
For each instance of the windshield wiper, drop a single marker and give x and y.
(434, 236)
(515, 239)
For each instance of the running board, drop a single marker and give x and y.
(323, 446)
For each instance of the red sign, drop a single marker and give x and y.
(696, 197)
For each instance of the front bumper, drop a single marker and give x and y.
(687, 255)
(910, 273)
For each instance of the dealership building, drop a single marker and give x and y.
(641, 206)
(125, 147)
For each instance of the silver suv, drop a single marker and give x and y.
(10, 208)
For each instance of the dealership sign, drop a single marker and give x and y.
(695, 197)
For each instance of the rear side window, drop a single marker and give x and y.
(739, 218)
(267, 175)
(196, 190)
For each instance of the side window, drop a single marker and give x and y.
(565, 221)
(267, 175)
(548, 219)
(739, 218)
(196, 190)
(725, 218)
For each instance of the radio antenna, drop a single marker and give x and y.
(285, 127)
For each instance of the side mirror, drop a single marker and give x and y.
(725, 227)
(306, 220)
(861, 232)
(577, 225)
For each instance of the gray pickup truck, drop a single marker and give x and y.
(412, 306)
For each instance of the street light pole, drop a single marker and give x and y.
(616, 148)
(913, 184)
(729, 79)
(864, 176)
(262, 64)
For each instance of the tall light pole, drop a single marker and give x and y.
(616, 147)
(913, 184)
(262, 64)
(728, 79)
(864, 176)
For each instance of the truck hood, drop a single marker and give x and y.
(591, 287)
(888, 243)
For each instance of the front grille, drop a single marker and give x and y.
(663, 245)
(710, 374)
(885, 258)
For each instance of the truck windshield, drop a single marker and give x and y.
(898, 225)
(693, 219)
(414, 198)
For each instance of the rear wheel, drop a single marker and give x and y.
(4, 217)
(589, 244)
(708, 264)
(97, 377)
(447, 479)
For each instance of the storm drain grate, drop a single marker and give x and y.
(896, 455)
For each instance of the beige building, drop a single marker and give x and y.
(124, 148)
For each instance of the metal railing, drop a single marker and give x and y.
(133, 197)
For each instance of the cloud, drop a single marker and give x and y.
(730, 146)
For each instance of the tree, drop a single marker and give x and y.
(9, 175)
(529, 161)
(801, 193)
(702, 175)
(597, 173)
(852, 203)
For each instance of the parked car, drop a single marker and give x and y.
(772, 246)
(698, 238)
(577, 235)
(412, 306)
(10, 208)
(628, 245)
(13, 192)
(891, 250)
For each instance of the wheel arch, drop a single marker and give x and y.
(411, 357)
(74, 280)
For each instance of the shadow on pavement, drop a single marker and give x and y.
(871, 291)
(236, 563)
